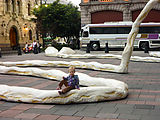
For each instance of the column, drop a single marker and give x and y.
(127, 13)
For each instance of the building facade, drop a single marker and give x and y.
(16, 26)
(100, 11)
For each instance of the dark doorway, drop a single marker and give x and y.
(13, 36)
(153, 16)
(106, 16)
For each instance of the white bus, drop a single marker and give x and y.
(116, 33)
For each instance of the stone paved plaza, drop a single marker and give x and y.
(142, 103)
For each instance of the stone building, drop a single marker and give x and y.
(100, 11)
(16, 26)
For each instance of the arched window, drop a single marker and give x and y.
(37, 36)
(30, 34)
(18, 7)
(13, 7)
(29, 9)
(6, 6)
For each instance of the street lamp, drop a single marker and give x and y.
(41, 3)
(45, 1)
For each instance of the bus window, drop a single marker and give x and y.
(124, 30)
(85, 34)
(149, 30)
(110, 30)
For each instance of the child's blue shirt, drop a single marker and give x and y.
(72, 81)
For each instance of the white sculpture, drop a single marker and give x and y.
(77, 64)
(154, 54)
(51, 51)
(100, 89)
(103, 89)
(102, 56)
(66, 50)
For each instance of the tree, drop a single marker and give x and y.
(58, 20)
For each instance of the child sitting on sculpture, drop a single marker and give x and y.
(70, 82)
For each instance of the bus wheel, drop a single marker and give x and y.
(95, 46)
(143, 45)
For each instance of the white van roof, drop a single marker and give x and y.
(113, 24)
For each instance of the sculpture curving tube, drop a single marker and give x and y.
(102, 89)
(133, 33)
(77, 64)
(155, 54)
(99, 89)
(102, 56)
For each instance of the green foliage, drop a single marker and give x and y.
(58, 20)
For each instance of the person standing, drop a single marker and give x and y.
(35, 47)
(26, 48)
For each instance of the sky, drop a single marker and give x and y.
(75, 2)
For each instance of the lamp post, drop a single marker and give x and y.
(41, 3)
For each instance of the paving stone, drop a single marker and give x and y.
(106, 104)
(2, 108)
(107, 115)
(77, 107)
(40, 111)
(89, 118)
(47, 117)
(124, 106)
(10, 113)
(136, 86)
(22, 107)
(44, 106)
(10, 104)
(27, 115)
(3, 118)
(136, 102)
(124, 110)
(69, 118)
(85, 113)
(96, 108)
(154, 112)
(144, 106)
(65, 112)
(33, 83)
(146, 99)
(150, 117)
(108, 110)
(2, 102)
(140, 112)
(129, 116)
(60, 107)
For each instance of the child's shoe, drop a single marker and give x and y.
(60, 92)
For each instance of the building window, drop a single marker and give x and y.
(85, 1)
(6, 6)
(13, 7)
(29, 9)
(30, 34)
(106, 0)
(18, 7)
